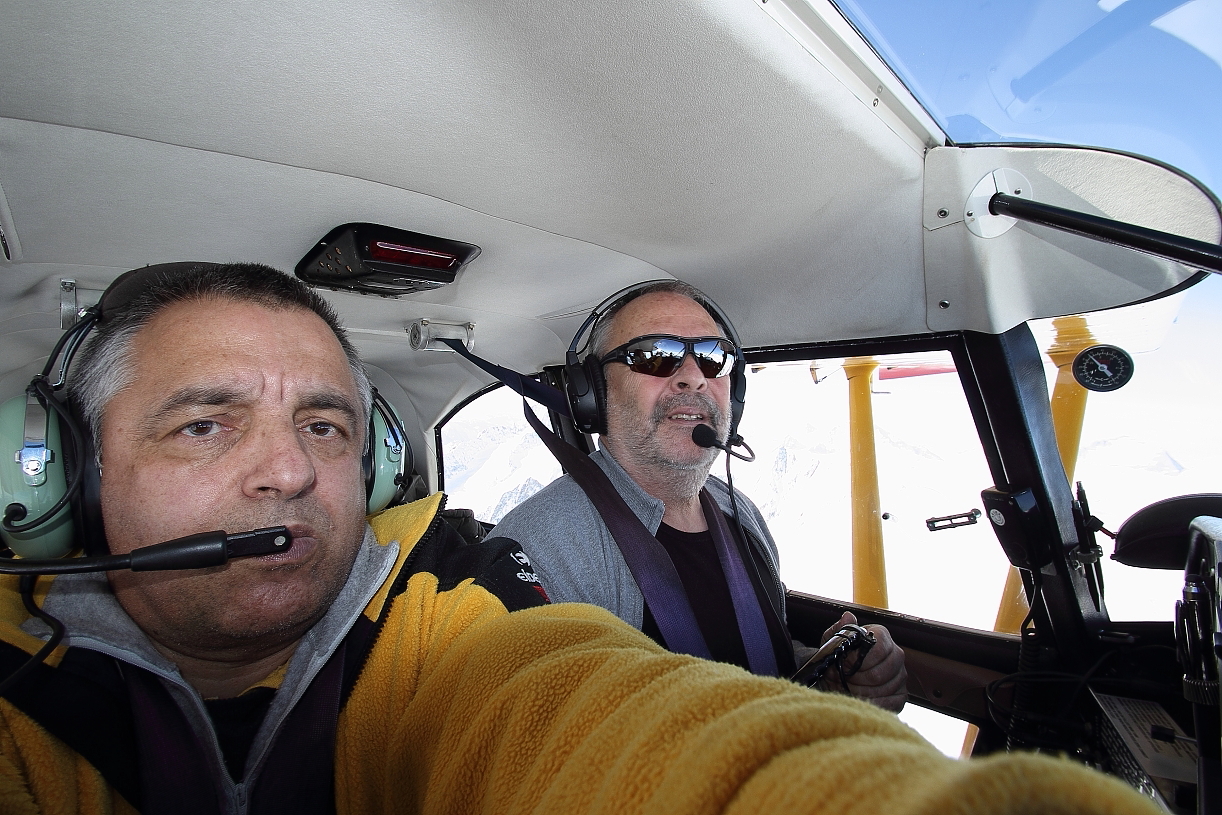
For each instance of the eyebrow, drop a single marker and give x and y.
(329, 400)
(220, 396)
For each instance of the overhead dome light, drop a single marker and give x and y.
(373, 259)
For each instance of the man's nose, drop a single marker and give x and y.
(689, 376)
(279, 464)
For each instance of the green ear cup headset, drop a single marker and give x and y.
(48, 472)
(33, 483)
(388, 461)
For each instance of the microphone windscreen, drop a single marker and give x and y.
(704, 436)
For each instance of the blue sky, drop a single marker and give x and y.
(1141, 76)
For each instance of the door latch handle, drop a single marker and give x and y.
(951, 521)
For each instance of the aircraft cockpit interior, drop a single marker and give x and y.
(972, 251)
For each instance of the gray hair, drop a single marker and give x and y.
(600, 334)
(105, 366)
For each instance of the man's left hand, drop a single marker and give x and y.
(882, 678)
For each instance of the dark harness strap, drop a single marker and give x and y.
(751, 626)
(299, 775)
(651, 567)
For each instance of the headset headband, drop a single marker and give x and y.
(129, 285)
(609, 303)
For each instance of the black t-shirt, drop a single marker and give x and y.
(699, 568)
(237, 720)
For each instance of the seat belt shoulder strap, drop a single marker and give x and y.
(647, 560)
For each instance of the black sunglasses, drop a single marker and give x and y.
(663, 354)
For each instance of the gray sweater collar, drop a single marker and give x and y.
(643, 505)
(95, 620)
(649, 509)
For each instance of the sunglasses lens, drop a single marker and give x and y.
(662, 356)
(655, 357)
(714, 357)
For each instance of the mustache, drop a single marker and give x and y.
(689, 402)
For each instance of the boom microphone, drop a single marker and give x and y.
(705, 436)
(192, 552)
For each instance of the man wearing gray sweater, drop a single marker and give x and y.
(669, 366)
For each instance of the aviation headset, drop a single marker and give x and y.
(49, 491)
(585, 384)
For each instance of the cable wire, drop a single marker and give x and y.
(27, 584)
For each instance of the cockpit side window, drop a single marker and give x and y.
(869, 472)
(492, 460)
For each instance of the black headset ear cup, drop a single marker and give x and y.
(580, 394)
(738, 393)
(598, 387)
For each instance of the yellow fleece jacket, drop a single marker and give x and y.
(462, 707)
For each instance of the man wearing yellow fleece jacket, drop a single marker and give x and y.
(376, 668)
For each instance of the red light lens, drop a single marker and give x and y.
(411, 255)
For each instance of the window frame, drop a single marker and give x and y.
(441, 423)
(1004, 383)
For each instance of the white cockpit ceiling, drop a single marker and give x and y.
(583, 147)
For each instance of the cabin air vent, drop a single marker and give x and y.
(373, 259)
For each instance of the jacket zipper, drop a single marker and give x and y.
(405, 572)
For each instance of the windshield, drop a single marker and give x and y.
(1139, 76)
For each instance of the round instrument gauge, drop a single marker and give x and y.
(1103, 368)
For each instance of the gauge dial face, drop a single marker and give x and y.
(1103, 368)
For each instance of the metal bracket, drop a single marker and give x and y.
(73, 301)
(1080, 558)
(34, 456)
(67, 304)
(426, 335)
(976, 215)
